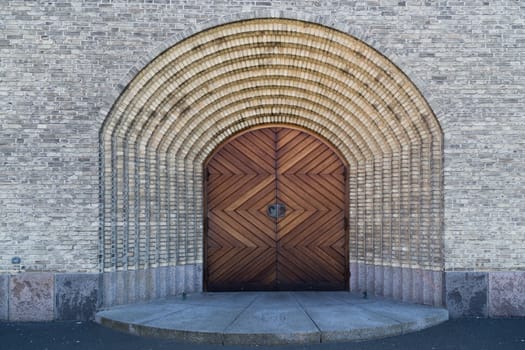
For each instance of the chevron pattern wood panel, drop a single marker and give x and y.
(311, 246)
(246, 249)
(241, 241)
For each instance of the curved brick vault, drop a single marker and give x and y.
(228, 78)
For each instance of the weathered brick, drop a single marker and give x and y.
(61, 65)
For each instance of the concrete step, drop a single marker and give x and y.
(270, 318)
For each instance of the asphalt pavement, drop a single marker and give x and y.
(462, 334)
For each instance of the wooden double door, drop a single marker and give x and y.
(275, 206)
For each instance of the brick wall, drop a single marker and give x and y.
(223, 80)
(61, 64)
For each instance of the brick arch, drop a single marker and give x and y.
(231, 77)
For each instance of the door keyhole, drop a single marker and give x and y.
(276, 210)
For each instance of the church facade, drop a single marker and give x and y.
(151, 149)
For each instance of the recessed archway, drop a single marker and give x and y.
(235, 76)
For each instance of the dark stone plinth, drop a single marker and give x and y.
(466, 294)
(4, 295)
(76, 296)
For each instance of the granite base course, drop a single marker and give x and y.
(507, 294)
(31, 297)
(467, 294)
(44, 296)
(76, 296)
(4, 297)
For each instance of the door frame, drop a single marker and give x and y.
(329, 144)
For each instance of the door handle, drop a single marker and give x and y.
(276, 210)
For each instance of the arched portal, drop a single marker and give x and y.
(226, 79)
